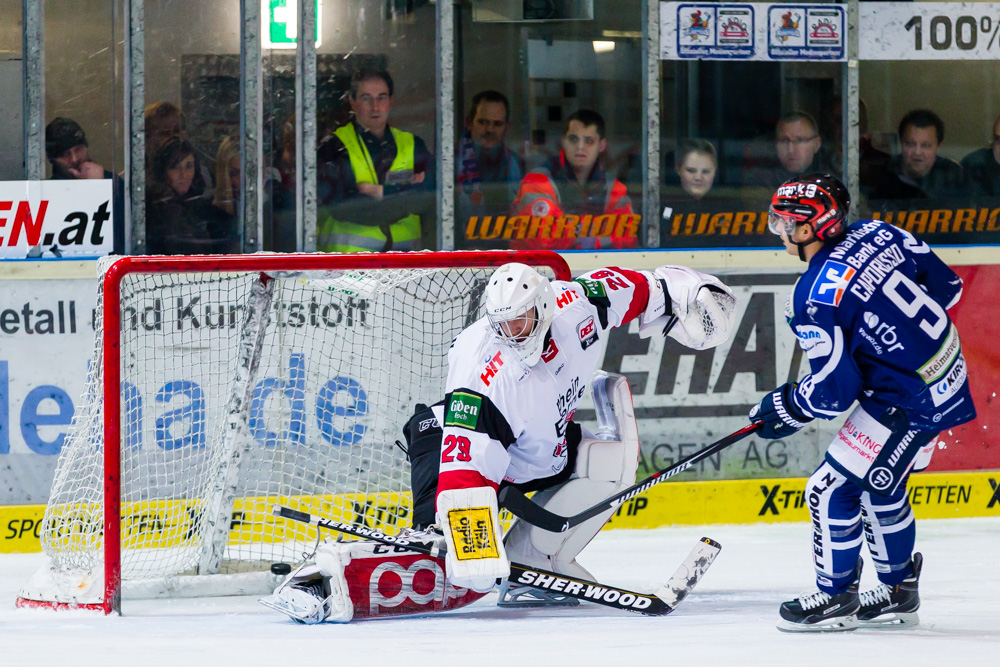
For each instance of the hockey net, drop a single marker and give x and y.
(230, 384)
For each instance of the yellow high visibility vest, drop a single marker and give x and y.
(345, 236)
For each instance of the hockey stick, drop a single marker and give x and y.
(660, 603)
(520, 506)
(427, 548)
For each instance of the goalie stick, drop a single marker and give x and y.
(660, 603)
(520, 506)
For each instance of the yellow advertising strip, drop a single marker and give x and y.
(19, 527)
(165, 523)
(933, 496)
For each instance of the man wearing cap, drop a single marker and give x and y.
(67, 149)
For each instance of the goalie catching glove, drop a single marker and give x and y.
(470, 520)
(695, 309)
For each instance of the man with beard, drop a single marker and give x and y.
(67, 149)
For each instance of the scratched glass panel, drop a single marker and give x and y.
(731, 133)
(192, 123)
(11, 74)
(397, 37)
(930, 131)
(549, 60)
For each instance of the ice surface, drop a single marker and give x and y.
(728, 620)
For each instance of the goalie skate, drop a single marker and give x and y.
(514, 595)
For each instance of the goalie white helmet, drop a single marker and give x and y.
(520, 304)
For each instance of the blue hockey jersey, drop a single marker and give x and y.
(870, 314)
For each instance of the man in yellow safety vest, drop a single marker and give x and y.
(375, 183)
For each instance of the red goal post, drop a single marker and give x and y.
(378, 325)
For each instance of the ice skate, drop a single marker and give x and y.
(513, 595)
(822, 612)
(303, 601)
(893, 605)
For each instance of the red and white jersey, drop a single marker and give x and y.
(504, 420)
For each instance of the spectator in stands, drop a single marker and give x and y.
(697, 164)
(982, 167)
(179, 221)
(574, 192)
(797, 145)
(375, 183)
(67, 149)
(919, 172)
(488, 172)
(164, 120)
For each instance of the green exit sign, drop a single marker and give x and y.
(281, 23)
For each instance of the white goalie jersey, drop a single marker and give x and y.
(503, 420)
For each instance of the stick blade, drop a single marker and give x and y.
(689, 573)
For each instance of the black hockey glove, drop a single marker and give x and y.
(778, 415)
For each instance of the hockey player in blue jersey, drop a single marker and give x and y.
(870, 313)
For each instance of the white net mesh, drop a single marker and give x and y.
(344, 359)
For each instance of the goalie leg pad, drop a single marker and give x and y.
(603, 468)
(558, 551)
(470, 519)
(372, 580)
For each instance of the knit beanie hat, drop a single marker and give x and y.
(61, 135)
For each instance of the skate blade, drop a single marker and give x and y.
(893, 621)
(521, 602)
(842, 624)
(272, 602)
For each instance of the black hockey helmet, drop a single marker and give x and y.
(820, 200)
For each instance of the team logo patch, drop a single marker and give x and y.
(566, 297)
(472, 533)
(463, 410)
(831, 284)
(550, 351)
(945, 389)
(493, 364)
(540, 208)
(594, 289)
(880, 478)
(588, 332)
(814, 341)
(942, 360)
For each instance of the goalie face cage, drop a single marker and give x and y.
(230, 384)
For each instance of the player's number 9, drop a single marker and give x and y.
(912, 304)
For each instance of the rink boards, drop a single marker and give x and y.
(932, 495)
